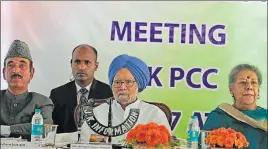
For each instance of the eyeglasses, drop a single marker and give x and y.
(118, 83)
(22, 66)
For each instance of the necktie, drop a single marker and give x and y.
(83, 98)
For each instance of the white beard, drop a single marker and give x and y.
(124, 99)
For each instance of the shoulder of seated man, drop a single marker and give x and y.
(41, 98)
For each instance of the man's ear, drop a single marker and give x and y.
(32, 73)
(96, 66)
(4, 71)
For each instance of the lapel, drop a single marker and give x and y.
(69, 105)
(72, 94)
(93, 89)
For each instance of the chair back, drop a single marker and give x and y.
(165, 109)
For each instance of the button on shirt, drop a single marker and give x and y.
(148, 113)
(15, 104)
(79, 94)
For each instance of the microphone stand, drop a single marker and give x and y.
(81, 118)
(110, 116)
(80, 123)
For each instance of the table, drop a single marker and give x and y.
(22, 144)
(13, 143)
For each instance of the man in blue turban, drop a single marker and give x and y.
(128, 76)
(137, 68)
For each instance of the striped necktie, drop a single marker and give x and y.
(83, 98)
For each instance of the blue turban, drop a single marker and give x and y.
(136, 66)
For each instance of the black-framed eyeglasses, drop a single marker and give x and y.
(118, 83)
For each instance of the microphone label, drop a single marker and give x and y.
(113, 131)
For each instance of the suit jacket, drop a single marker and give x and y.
(65, 100)
(18, 113)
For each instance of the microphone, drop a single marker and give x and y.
(110, 117)
(110, 130)
(87, 105)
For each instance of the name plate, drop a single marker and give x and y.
(14, 143)
(91, 146)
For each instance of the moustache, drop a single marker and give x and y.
(123, 93)
(16, 75)
(78, 73)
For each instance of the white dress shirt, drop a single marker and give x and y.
(148, 113)
(79, 94)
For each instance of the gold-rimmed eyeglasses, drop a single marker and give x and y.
(118, 83)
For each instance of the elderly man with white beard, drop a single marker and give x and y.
(128, 76)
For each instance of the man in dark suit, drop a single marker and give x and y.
(85, 86)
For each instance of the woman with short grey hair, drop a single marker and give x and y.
(244, 115)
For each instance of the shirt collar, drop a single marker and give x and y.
(134, 105)
(17, 97)
(79, 87)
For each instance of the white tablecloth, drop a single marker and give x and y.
(17, 144)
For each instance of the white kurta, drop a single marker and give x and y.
(148, 113)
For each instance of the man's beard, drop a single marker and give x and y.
(124, 99)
